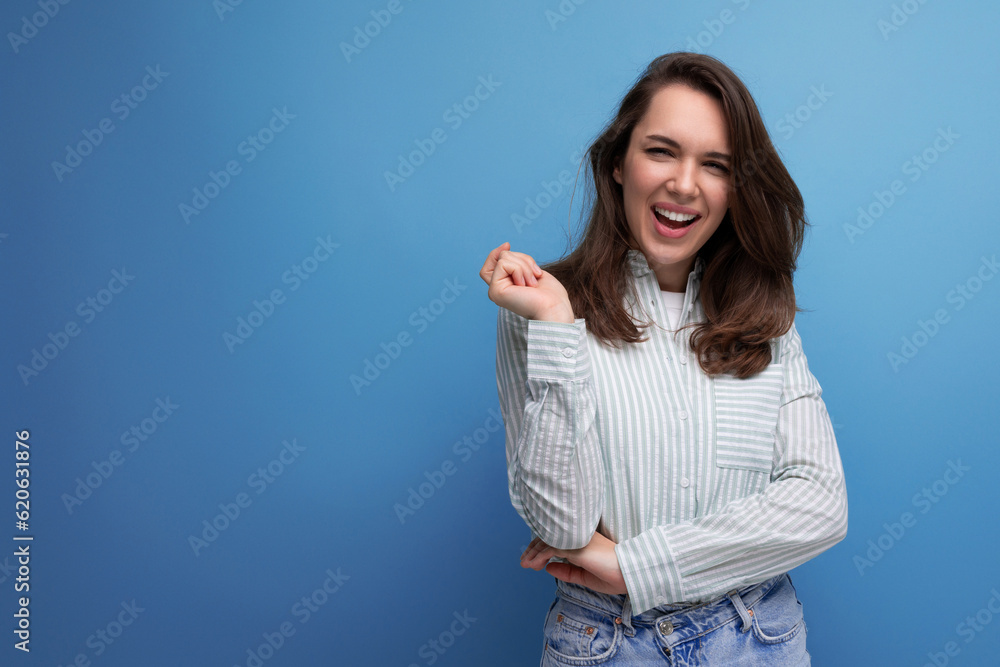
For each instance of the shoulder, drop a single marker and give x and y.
(799, 380)
(787, 346)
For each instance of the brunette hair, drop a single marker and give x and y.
(746, 289)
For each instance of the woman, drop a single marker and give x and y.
(666, 441)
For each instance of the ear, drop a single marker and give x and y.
(617, 173)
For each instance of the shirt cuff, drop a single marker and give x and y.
(650, 571)
(557, 351)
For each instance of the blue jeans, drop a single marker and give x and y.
(757, 625)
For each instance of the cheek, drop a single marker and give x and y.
(719, 198)
(633, 193)
(641, 184)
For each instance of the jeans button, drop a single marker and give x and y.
(666, 627)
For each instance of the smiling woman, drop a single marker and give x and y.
(694, 166)
(666, 441)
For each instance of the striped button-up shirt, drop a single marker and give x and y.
(704, 483)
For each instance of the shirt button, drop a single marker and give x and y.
(666, 627)
(568, 352)
(683, 414)
(685, 482)
(683, 359)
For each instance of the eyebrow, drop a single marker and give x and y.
(670, 142)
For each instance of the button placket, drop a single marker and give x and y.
(657, 309)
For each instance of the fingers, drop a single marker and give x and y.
(531, 545)
(487, 271)
(522, 268)
(594, 566)
(575, 574)
(537, 555)
(514, 267)
(531, 555)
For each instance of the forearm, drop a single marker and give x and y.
(557, 476)
(798, 515)
(555, 467)
(751, 539)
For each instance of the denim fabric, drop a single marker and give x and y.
(757, 625)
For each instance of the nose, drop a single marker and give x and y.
(683, 180)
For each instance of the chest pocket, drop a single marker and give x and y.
(746, 417)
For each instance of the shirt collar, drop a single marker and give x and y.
(640, 268)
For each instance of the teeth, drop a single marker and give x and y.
(676, 217)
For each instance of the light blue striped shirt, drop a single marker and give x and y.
(705, 484)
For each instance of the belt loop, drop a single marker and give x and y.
(741, 609)
(626, 617)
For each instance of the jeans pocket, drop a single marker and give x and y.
(579, 635)
(777, 617)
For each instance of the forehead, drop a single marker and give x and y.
(688, 116)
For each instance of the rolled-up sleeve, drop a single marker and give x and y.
(799, 514)
(555, 469)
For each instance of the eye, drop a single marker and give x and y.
(658, 151)
(720, 167)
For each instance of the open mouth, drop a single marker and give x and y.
(675, 220)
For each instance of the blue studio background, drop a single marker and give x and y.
(245, 329)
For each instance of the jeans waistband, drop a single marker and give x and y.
(707, 614)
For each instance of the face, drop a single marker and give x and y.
(675, 180)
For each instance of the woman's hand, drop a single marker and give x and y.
(594, 566)
(518, 284)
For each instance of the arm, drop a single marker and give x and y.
(801, 513)
(555, 469)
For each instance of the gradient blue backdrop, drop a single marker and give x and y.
(851, 92)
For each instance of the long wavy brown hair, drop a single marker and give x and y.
(746, 288)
